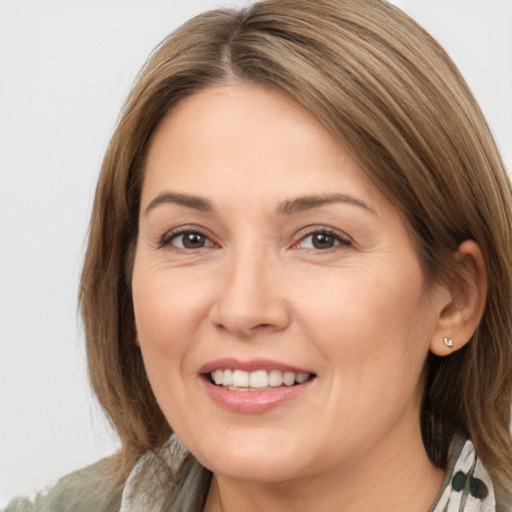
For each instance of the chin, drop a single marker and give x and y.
(270, 470)
(264, 459)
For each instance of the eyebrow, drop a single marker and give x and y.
(289, 207)
(195, 202)
(308, 202)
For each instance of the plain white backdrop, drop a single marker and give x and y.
(65, 68)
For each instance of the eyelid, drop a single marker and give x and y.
(166, 239)
(340, 236)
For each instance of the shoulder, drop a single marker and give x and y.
(81, 491)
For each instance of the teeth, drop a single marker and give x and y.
(301, 377)
(289, 378)
(240, 380)
(217, 377)
(227, 377)
(258, 379)
(275, 378)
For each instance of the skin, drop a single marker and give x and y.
(359, 314)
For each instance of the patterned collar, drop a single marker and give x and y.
(467, 486)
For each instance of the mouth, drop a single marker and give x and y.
(258, 380)
(256, 386)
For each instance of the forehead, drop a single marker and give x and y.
(246, 141)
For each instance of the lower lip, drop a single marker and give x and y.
(254, 402)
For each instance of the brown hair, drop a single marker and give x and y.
(392, 97)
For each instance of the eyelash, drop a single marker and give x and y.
(167, 239)
(339, 239)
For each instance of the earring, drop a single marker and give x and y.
(448, 342)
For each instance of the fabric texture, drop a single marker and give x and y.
(82, 491)
(467, 486)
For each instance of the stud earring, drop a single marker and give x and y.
(448, 342)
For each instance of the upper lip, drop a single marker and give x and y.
(250, 366)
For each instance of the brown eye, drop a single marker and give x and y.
(321, 240)
(190, 240)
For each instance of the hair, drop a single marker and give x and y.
(391, 96)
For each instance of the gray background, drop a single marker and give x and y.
(65, 68)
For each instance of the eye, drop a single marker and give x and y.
(187, 240)
(322, 240)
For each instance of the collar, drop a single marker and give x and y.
(467, 486)
(148, 483)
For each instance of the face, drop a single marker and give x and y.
(265, 255)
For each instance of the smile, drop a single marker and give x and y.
(256, 386)
(259, 380)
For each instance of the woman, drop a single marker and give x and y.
(299, 266)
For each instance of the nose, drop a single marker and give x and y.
(249, 300)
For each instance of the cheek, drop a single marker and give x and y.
(169, 315)
(370, 323)
(373, 331)
(168, 310)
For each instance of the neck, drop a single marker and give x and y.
(388, 479)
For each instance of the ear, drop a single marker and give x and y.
(464, 306)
